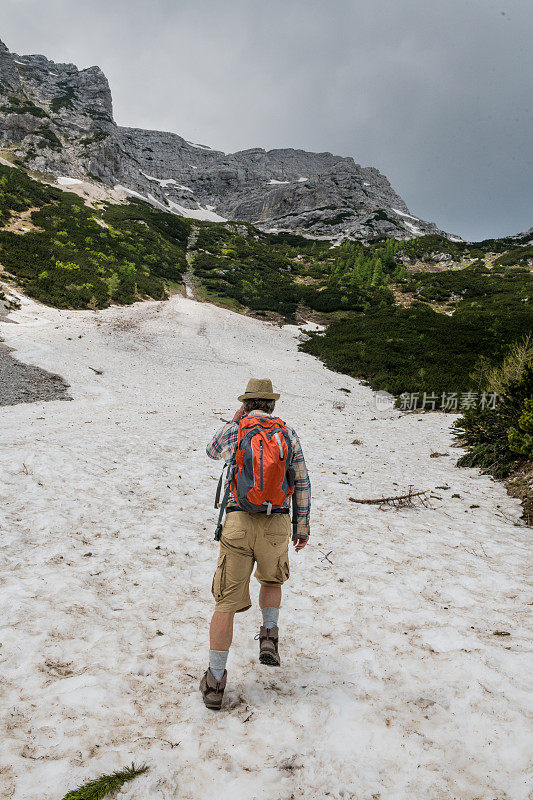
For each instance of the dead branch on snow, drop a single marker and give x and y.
(408, 500)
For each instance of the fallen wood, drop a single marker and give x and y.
(398, 501)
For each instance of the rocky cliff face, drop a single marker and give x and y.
(59, 120)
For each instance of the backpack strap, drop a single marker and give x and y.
(294, 517)
(219, 487)
(231, 468)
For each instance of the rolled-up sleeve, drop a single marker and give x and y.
(224, 442)
(302, 488)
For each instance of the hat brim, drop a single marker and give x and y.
(258, 396)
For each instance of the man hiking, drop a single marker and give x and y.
(266, 468)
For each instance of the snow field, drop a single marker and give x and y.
(393, 683)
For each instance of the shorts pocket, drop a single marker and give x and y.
(283, 569)
(277, 542)
(234, 529)
(219, 578)
(278, 530)
(232, 534)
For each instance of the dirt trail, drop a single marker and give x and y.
(188, 278)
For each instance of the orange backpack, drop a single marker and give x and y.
(262, 475)
(259, 475)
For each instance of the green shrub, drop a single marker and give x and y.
(63, 100)
(415, 349)
(104, 785)
(521, 439)
(517, 256)
(242, 268)
(21, 105)
(79, 258)
(48, 137)
(497, 439)
(473, 284)
(18, 192)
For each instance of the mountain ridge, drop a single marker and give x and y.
(58, 120)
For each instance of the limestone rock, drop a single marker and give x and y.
(59, 120)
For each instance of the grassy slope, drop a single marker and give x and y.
(456, 318)
(453, 324)
(74, 256)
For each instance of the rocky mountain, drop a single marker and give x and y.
(58, 120)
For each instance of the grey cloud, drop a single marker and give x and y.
(436, 95)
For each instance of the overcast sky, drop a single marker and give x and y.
(437, 94)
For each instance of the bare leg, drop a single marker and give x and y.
(221, 630)
(269, 596)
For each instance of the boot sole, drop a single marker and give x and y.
(269, 659)
(212, 707)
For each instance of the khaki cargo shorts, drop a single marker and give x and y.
(247, 539)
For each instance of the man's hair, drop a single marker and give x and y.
(259, 405)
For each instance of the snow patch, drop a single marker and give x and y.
(118, 187)
(161, 181)
(65, 181)
(148, 199)
(403, 214)
(312, 327)
(205, 214)
(413, 228)
(274, 181)
(199, 146)
(164, 182)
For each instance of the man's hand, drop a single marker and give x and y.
(299, 543)
(239, 414)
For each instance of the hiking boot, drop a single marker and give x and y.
(213, 690)
(268, 646)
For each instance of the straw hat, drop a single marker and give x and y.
(259, 389)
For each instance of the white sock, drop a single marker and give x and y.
(270, 616)
(217, 662)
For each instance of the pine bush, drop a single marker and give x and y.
(521, 440)
(105, 784)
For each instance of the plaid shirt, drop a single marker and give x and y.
(224, 445)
